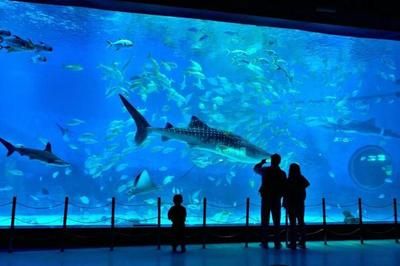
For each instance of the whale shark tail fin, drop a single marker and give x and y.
(141, 124)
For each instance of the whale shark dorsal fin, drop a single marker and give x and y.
(195, 122)
(48, 147)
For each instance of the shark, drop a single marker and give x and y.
(199, 135)
(45, 156)
(363, 127)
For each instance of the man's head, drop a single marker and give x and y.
(275, 159)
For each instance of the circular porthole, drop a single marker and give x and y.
(370, 167)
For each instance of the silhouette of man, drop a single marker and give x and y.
(177, 214)
(271, 190)
(294, 203)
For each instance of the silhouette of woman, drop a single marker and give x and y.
(294, 203)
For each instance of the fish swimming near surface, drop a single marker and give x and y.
(123, 43)
(200, 136)
(46, 155)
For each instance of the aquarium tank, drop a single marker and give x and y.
(99, 104)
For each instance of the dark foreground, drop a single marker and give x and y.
(376, 252)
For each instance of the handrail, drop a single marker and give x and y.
(231, 217)
(89, 207)
(40, 208)
(5, 203)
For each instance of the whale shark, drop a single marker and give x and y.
(46, 155)
(199, 135)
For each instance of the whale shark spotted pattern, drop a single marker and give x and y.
(199, 135)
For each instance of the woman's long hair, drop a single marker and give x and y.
(294, 170)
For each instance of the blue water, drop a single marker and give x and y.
(286, 91)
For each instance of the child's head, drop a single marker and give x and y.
(178, 199)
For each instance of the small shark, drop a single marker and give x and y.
(200, 136)
(46, 155)
(367, 127)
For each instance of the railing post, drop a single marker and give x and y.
(112, 223)
(360, 221)
(64, 229)
(12, 225)
(247, 221)
(158, 223)
(396, 230)
(204, 221)
(324, 221)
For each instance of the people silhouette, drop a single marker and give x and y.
(177, 214)
(271, 191)
(294, 203)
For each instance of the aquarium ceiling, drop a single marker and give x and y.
(371, 19)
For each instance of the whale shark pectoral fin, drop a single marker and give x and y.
(48, 147)
(195, 122)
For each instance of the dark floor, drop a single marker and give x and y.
(342, 253)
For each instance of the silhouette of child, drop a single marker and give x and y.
(177, 214)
